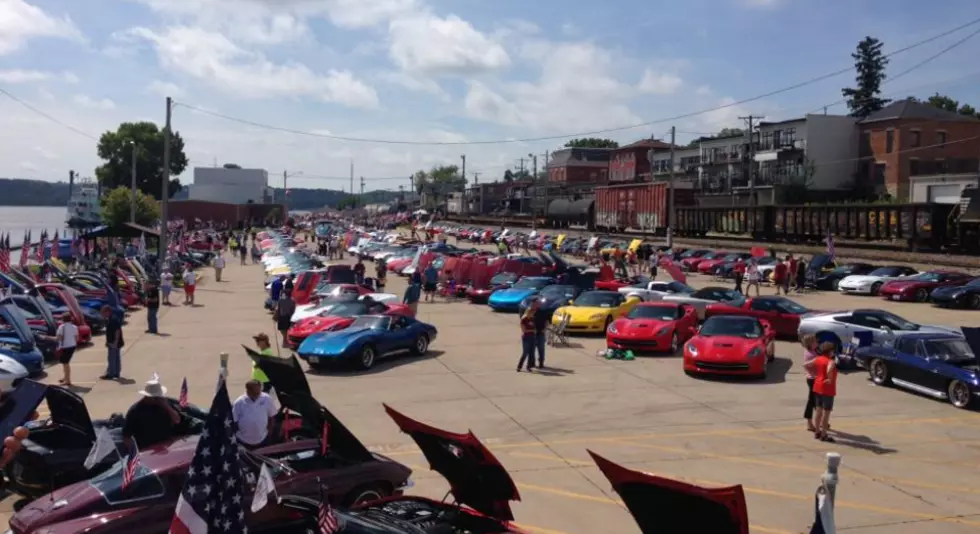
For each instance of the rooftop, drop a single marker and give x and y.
(912, 109)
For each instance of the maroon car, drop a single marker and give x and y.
(917, 288)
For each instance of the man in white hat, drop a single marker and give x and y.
(151, 420)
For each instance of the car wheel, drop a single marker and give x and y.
(367, 358)
(421, 345)
(959, 394)
(875, 288)
(674, 343)
(765, 370)
(608, 322)
(878, 370)
(975, 302)
(921, 295)
(771, 352)
(366, 494)
(835, 285)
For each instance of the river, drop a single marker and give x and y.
(15, 220)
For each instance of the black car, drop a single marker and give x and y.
(552, 297)
(829, 281)
(966, 296)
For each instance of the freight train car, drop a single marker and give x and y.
(918, 225)
(638, 207)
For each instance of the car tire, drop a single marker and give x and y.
(771, 352)
(421, 345)
(367, 358)
(959, 394)
(765, 370)
(878, 370)
(365, 494)
(609, 321)
(922, 295)
(975, 301)
(675, 343)
(875, 289)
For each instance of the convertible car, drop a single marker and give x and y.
(367, 339)
(594, 311)
(510, 299)
(941, 366)
(917, 288)
(661, 326)
(883, 326)
(701, 298)
(870, 284)
(780, 312)
(710, 266)
(339, 316)
(324, 306)
(731, 345)
(964, 296)
(17, 339)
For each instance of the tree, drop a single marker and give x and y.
(440, 180)
(968, 110)
(870, 63)
(115, 207)
(949, 104)
(591, 142)
(730, 132)
(508, 175)
(116, 150)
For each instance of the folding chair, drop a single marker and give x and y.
(556, 333)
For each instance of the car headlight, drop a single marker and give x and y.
(596, 316)
(755, 353)
(612, 328)
(692, 349)
(664, 331)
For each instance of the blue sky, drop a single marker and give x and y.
(433, 71)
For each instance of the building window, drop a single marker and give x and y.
(789, 136)
(915, 166)
(889, 141)
(766, 143)
(915, 140)
(941, 139)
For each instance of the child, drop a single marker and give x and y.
(451, 287)
(166, 285)
(824, 389)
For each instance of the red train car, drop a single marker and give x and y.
(640, 207)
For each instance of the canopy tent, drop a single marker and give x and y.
(126, 230)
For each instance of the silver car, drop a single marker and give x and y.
(841, 326)
(700, 299)
(654, 291)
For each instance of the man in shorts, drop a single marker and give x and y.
(430, 282)
(67, 342)
(190, 279)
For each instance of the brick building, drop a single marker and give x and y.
(909, 139)
(579, 165)
(631, 163)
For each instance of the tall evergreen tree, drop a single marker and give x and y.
(870, 63)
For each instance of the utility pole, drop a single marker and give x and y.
(132, 200)
(522, 168)
(476, 178)
(165, 191)
(751, 150)
(672, 208)
(352, 176)
(534, 192)
(463, 157)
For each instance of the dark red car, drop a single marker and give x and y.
(917, 288)
(781, 313)
(691, 264)
(338, 317)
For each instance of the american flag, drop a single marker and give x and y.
(5, 253)
(326, 518)
(830, 245)
(211, 500)
(39, 251)
(25, 249)
(132, 466)
(325, 439)
(183, 394)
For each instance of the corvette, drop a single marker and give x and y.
(594, 311)
(701, 298)
(662, 326)
(325, 305)
(870, 284)
(884, 326)
(780, 312)
(340, 316)
(552, 297)
(17, 339)
(691, 264)
(653, 290)
(707, 266)
(731, 345)
(964, 296)
(509, 299)
(367, 339)
(917, 288)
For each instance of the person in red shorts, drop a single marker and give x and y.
(824, 389)
(190, 280)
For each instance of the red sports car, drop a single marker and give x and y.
(705, 266)
(616, 284)
(339, 291)
(691, 264)
(731, 345)
(340, 316)
(782, 314)
(917, 288)
(661, 326)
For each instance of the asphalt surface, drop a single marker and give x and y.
(910, 463)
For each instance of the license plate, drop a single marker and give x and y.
(896, 297)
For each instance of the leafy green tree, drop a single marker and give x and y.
(943, 102)
(440, 180)
(116, 151)
(870, 64)
(968, 110)
(730, 132)
(591, 142)
(508, 175)
(116, 204)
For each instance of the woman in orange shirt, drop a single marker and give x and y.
(824, 389)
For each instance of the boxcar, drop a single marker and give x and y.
(639, 207)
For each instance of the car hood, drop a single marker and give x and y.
(289, 381)
(639, 327)
(11, 314)
(723, 347)
(327, 340)
(318, 324)
(476, 478)
(863, 279)
(660, 505)
(20, 405)
(512, 295)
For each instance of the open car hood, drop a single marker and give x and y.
(11, 315)
(18, 407)
(68, 409)
(287, 377)
(477, 479)
(664, 506)
(13, 284)
(972, 335)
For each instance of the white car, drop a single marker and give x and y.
(11, 371)
(702, 297)
(654, 291)
(312, 310)
(840, 327)
(869, 284)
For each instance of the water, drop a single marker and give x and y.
(16, 220)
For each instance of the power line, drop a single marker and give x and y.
(576, 134)
(47, 116)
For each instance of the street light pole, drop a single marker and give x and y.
(132, 200)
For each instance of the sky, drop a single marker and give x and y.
(513, 79)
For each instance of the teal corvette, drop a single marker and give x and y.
(368, 339)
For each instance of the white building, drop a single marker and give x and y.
(231, 184)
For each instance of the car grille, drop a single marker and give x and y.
(634, 342)
(716, 366)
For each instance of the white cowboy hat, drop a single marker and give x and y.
(153, 388)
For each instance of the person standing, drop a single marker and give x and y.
(67, 337)
(541, 321)
(190, 279)
(114, 343)
(824, 389)
(809, 343)
(528, 336)
(780, 277)
(219, 266)
(284, 314)
(738, 273)
(754, 277)
(243, 252)
(255, 415)
(359, 271)
(382, 275)
(166, 285)
(152, 307)
(800, 276)
(412, 295)
(431, 276)
(790, 272)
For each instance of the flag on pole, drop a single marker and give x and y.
(25, 249)
(823, 522)
(183, 394)
(39, 251)
(263, 488)
(132, 466)
(4, 253)
(325, 439)
(831, 251)
(211, 500)
(326, 518)
(102, 448)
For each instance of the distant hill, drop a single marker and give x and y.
(313, 199)
(21, 192)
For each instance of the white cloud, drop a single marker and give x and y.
(659, 83)
(33, 76)
(165, 89)
(46, 154)
(415, 82)
(20, 22)
(89, 102)
(429, 44)
(213, 58)
(28, 166)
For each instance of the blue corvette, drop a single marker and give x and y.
(941, 366)
(552, 297)
(17, 339)
(510, 299)
(367, 339)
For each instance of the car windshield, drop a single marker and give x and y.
(657, 313)
(145, 485)
(950, 350)
(532, 283)
(731, 326)
(895, 322)
(927, 277)
(717, 294)
(845, 269)
(885, 271)
(373, 322)
(678, 287)
(336, 289)
(346, 309)
(788, 306)
(598, 299)
(503, 278)
(691, 253)
(559, 292)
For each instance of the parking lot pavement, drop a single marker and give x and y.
(909, 463)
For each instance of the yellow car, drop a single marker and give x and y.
(593, 311)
